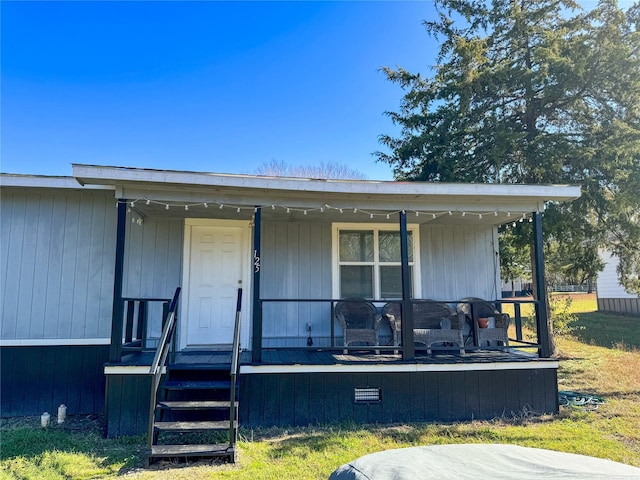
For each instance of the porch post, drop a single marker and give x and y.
(256, 341)
(115, 350)
(408, 349)
(542, 314)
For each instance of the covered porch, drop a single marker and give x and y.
(299, 247)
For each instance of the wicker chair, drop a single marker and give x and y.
(432, 323)
(481, 308)
(359, 321)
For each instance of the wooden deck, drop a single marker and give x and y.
(293, 356)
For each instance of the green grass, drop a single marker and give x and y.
(604, 360)
(609, 330)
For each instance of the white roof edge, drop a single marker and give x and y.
(94, 174)
(46, 181)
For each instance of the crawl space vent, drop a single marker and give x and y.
(367, 395)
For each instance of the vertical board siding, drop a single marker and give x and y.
(458, 262)
(296, 263)
(300, 399)
(38, 379)
(57, 263)
(127, 404)
(153, 257)
(153, 263)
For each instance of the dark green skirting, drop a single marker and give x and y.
(299, 399)
(35, 379)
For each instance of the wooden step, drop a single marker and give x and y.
(194, 405)
(214, 450)
(197, 385)
(193, 426)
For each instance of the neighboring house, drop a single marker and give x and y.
(78, 252)
(612, 296)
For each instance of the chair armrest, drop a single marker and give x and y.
(341, 320)
(502, 320)
(394, 322)
(377, 322)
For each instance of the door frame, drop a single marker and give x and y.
(246, 315)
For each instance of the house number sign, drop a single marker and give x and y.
(256, 261)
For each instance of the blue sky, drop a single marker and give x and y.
(205, 86)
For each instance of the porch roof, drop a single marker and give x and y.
(304, 199)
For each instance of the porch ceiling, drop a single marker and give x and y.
(225, 196)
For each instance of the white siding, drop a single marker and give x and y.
(608, 285)
(459, 262)
(456, 262)
(153, 258)
(296, 263)
(57, 253)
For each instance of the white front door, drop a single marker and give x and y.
(216, 267)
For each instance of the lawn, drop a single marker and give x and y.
(603, 359)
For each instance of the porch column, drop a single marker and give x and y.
(542, 314)
(408, 349)
(256, 341)
(115, 350)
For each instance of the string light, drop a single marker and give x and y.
(521, 216)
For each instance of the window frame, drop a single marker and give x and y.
(414, 228)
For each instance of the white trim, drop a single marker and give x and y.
(43, 181)
(111, 175)
(247, 276)
(386, 368)
(129, 370)
(414, 228)
(52, 342)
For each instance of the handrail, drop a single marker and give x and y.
(233, 373)
(160, 359)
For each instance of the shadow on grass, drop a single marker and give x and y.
(609, 330)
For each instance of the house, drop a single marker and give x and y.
(612, 296)
(90, 264)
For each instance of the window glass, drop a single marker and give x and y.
(391, 281)
(389, 245)
(356, 281)
(356, 246)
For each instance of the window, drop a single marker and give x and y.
(367, 261)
